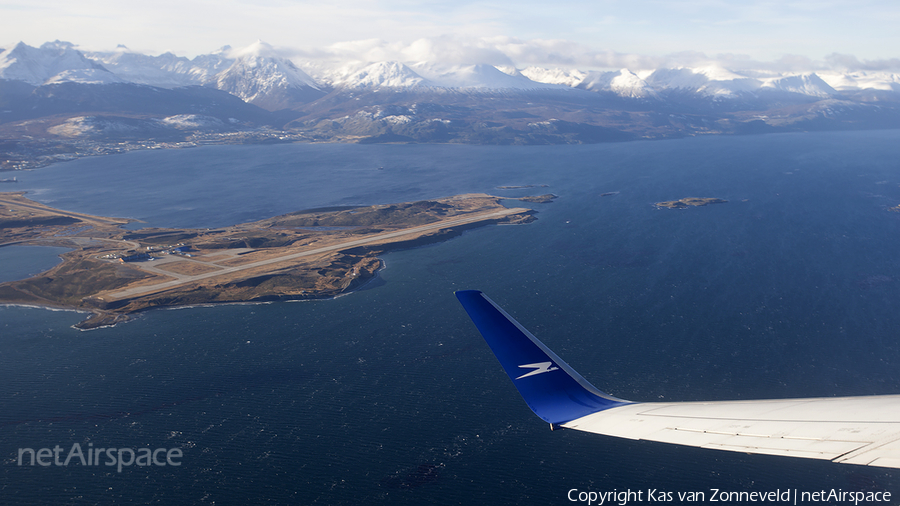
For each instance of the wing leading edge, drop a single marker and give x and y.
(853, 430)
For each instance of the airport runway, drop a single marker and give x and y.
(59, 212)
(184, 279)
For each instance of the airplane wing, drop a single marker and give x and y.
(851, 430)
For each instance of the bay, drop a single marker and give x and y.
(21, 262)
(389, 395)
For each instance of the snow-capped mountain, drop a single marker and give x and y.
(810, 85)
(423, 75)
(476, 77)
(260, 77)
(710, 81)
(383, 75)
(169, 96)
(855, 81)
(166, 70)
(567, 77)
(53, 62)
(259, 74)
(256, 73)
(623, 83)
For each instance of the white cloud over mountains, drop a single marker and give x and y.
(602, 33)
(505, 51)
(847, 62)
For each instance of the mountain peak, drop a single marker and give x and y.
(384, 75)
(479, 76)
(567, 77)
(53, 62)
(809, 84)
(260, 71)
(258, 49)
(260, 77)
(623, 83)
(57, 46)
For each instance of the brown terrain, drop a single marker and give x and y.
(113, 272)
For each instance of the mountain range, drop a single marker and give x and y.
(58, 92)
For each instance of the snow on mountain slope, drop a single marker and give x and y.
(680, 78)
(622, 82)
(193, 122)
(250, 76)
(382, 75)
(509, 70)
(393, 74)
(570, 77)
(205, 66)
(805, 84)
(723, 82)
(712, 80)
(85, 76)
(166, 70)
(328, 73)
(886, 81)
(260, 77)
(476, 77)
(53, 62)
(256, 73)
(856, 81)
(258, 68)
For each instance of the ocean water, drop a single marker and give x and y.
(389, 396)
(21, 262)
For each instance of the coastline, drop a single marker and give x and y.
(112, 274)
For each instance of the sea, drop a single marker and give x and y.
(388, 395)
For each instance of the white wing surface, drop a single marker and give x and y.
(850, 430)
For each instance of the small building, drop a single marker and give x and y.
(137, 257)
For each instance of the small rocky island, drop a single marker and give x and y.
(689, 201)
(539, 199)
(113, 272)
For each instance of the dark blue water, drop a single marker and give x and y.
(20, 262)
(389, 395)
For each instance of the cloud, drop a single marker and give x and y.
(605, 33)
(499, 51)
(512, 51)
(557, 52)
(457, 50)
(549, 53)
(449, 49)
(849, 63)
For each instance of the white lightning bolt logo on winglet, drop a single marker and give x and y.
(539, 368)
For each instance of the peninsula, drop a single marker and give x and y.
(113, 272)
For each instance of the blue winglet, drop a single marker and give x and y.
(552, 389)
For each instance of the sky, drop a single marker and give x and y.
(582, 34)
